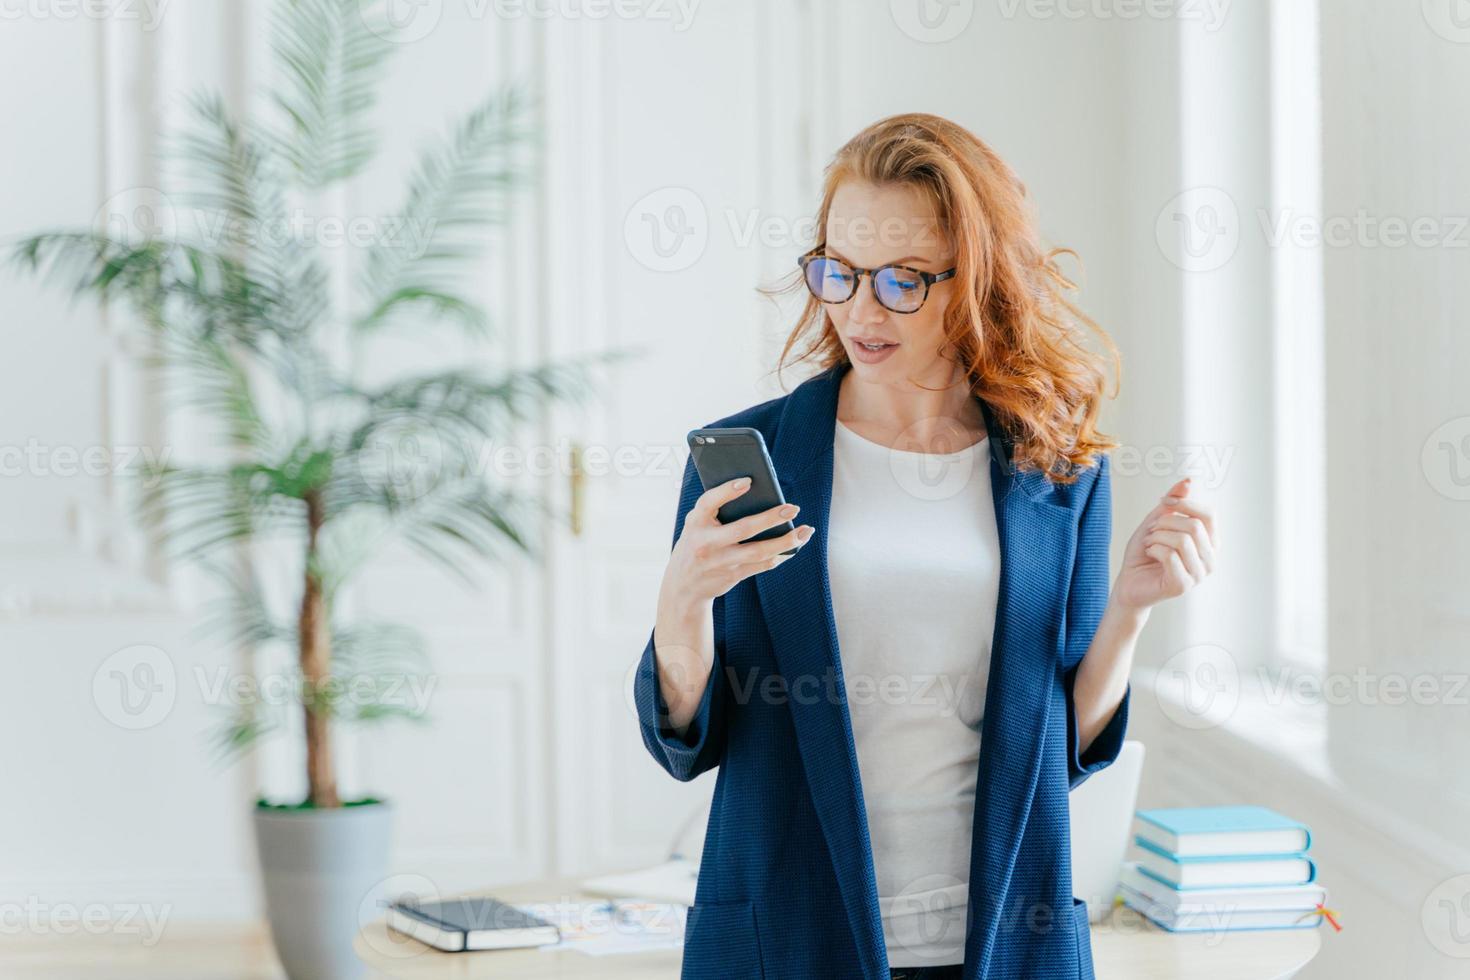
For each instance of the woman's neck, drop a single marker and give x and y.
(905, 416)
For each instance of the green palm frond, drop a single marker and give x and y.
(239, 198)
(449, 515)
(376, 646)
(458, 404)
(201, 372)
(208, 321)
(415, 468)
(239, 616)
(168, 284)
(469, 520)
(229, 173)
(457, 191)
(246, 726)
(91, 263)
(196, 510)
(217, 296)
(349, 541)
(328, 58)
(383, 670)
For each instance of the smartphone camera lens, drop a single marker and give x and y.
(699, 440)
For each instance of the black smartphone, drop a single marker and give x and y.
(722, 455)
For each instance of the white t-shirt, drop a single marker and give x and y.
(913, 558)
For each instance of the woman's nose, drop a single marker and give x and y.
(865, 305)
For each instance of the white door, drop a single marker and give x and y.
(677, 189)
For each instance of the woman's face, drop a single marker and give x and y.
(869, 226)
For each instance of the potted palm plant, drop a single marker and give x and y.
(249, 330)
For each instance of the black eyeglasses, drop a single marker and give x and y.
(898, 287)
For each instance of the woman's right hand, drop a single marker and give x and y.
(708, 560)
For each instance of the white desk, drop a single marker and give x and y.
(1127, 947)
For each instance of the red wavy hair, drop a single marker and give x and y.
(1011, 325)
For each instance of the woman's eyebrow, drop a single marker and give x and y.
(907, 258)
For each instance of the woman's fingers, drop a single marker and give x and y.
(1182, 544)
(1190, 507)
(756, 567)
(1195, 528)
(1176, 577)
(748, 527)
(707, 507)
(757, 552)
(773, 554)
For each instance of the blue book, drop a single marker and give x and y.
(1216, 902)
(1227, 871)
(1218, 831)
(1217, 919)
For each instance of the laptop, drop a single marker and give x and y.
(1102, 825)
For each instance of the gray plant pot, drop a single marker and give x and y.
(321, 868)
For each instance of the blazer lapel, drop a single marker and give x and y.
(796, 600)
(1037, 535)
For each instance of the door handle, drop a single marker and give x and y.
(578, 479)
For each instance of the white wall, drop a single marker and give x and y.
(104, 807)
(1372, 767)
(1395, 76)
(1397, 352)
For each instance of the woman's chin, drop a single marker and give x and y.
(874, 363)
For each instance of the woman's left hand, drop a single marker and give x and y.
(1170, 553)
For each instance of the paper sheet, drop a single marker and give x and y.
(617, 925)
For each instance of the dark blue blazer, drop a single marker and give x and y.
(786, 886)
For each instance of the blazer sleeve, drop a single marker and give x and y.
(703, 742)
(1086, 600)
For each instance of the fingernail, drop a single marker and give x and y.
(742, 483)
(789, 510)
(805, 532)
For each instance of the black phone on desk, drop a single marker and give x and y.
(722, 455)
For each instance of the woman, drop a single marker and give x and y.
(899, 709)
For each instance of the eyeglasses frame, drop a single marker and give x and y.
(928, 278)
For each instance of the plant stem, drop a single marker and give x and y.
(316, 669)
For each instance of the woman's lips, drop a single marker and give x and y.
(871, 350)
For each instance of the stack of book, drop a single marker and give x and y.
(1215, 869)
